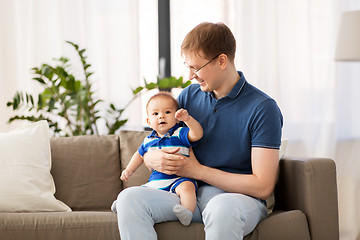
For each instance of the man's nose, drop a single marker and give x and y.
(192, 75)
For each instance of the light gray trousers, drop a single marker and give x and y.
(225, 215)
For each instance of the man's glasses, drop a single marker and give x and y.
(196, 70)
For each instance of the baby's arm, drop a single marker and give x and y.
(135, 162)
(196, 131)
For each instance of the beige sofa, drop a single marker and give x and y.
(86, 172)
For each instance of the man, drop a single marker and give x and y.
(235, 162)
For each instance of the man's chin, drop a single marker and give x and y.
(204, 89)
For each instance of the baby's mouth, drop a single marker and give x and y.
(161, 123)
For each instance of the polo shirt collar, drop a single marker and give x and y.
(238, 86)
(236, 89)
(168, 134)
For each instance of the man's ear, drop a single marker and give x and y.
(223, 60)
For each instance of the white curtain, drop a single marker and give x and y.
(286, 48)
(34, 32)
(348, 141)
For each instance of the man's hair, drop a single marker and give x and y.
(164, 95)
(211, 39)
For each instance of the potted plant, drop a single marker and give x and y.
(163, 84)
(67, 103)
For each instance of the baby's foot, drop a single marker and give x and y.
(113, 207)
(184, 215)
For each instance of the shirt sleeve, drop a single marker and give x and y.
(266, 125)
(142, 149)
(183, 135)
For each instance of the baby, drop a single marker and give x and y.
(163, 116)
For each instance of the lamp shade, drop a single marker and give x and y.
(348, 42)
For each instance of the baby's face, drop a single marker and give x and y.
(161, 115)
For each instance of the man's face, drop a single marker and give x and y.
(205, 71)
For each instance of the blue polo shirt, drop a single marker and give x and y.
(176, 137)
(232, 125)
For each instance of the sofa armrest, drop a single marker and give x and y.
(310, 185)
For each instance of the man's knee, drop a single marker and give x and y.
(127, 193)
(222, 208)
(128, 200)
(236, 213)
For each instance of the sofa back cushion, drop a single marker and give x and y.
(86, 171)
(130, 141)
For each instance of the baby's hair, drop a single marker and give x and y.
(164, 95)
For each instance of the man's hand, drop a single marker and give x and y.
(170, 162)
(165, 160)
(190, 167)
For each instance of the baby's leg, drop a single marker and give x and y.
(187, 193)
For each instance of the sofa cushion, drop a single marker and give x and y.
(176, 231)
(26, 184)
(86, 170)
(130, 141)
(78, 225)
(289, 225)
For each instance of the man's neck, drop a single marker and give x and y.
(227, 85)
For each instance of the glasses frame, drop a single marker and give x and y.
(196, 70)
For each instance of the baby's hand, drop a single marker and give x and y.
(125, 175)
(182, 115)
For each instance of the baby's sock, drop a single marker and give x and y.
(113, 207)
(184, 215)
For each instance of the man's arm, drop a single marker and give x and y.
(260, 184)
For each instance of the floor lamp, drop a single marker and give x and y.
(348, 49)
(348, 43)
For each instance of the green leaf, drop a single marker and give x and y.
(32, 100)
(112, 107)
(184, 85)
(137, 90)
(151, 86)
(51, 104)
(98, 101)
(47, 71)
(40, 80)
(40, 101)
(115, 126)
(16, 100)
(73, 44)
(64, 60)
(86, 66)
(164, 83)
(89, 74)
(36, 70)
